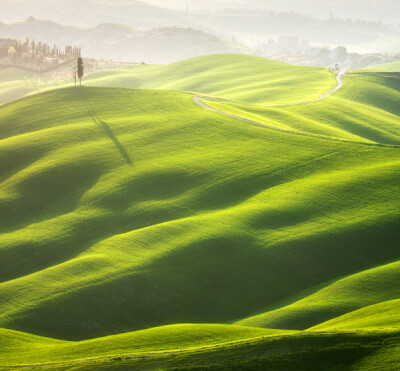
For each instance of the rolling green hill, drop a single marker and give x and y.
(214, 347)
(389, 67)
(385, 315)
(131, 210)
(365, 110)
(231, 76)
(332, 299)
(39, 350)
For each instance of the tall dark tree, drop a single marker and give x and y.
(80, 70)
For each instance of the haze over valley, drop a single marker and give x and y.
(137, 31)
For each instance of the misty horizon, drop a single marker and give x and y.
(118, 30)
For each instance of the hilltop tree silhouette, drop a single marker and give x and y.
(80, 70)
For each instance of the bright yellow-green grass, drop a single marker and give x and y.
(230, 76)
(389, 67)
(127, 210)
(194, 210)
(203, 347)
(381, 316)
(237, 77)
(20, 348)
(331, 300)
(365, 110)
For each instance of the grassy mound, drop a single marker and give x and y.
(389, 67)
(130, 210)
(384, 315)
(120, 202)
(214, 347)
(365, 110)
(230, 76)
(331, 300)
(237, 77)
(20, 348)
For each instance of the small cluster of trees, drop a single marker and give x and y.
(34, 54)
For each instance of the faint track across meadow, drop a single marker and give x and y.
(200, 101)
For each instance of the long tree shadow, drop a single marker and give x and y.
(110, 134)
(117, 143)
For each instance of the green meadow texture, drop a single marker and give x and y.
(229, 76)
(140, 230)
(389, 67)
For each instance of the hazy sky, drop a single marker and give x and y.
(385, 10)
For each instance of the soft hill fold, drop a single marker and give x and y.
(130, 209)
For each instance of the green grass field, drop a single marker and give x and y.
(142, 230)
(221, 75)
(366, 110)
(229, 76)
(389, 67)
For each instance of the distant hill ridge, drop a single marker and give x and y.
(124, 43)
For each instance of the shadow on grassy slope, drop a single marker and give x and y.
(247, 219)
(107, 130)
(212, 280)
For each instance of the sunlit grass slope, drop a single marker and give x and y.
(236, 77)
(20, 348)
(384, 315)
(129, 209)
(214, 347)
(390, 67)
(333, 299)
(366, 110)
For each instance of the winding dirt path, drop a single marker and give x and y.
(323, 96)
(200, 102)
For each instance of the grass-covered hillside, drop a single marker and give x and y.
(389, 67)
(365, 110)
(143, 230)
(230, 76)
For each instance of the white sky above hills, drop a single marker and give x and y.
(384, 10)
(251, 22)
